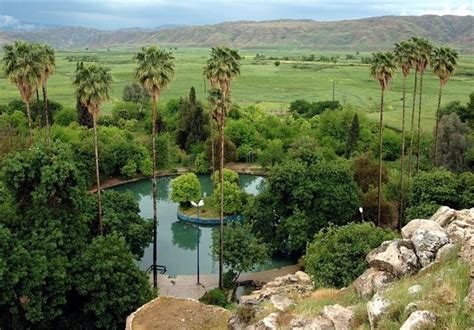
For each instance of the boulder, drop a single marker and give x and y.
(372, 281)
(458, 231)
(467, 249)
(410, 308)
(396, 257)
(427, 242)
(281, 303)
(466, 215)
(444, 216)
(420, 320)
(470, 297)
(445, 251)
(414, 289)
(414, 225)
(318, 323)
(340, 316)
(268, 323)
(376, 308)
(302, 277)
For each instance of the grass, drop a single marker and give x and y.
(206, 211)
(271, 88)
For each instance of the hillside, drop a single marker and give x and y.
(359, 34)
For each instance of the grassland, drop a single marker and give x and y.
(268, 86)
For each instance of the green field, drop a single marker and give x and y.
(268, 86)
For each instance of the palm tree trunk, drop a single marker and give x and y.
(402, 157)
(30, 125)
(46, 113)
(412, 126)
(435, 153)
(221, 215)
(379, 188)
(37, 96)
(99, 198)
(153, 193)
(419, 126)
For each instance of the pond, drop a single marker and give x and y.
(177, 240)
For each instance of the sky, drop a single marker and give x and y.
(114, 14)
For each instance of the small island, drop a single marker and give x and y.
(186, 189)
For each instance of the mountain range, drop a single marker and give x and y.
(366, 34)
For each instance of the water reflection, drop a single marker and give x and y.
(185, 235)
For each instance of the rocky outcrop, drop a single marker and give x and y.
(420, 320)
(416, 224)
(372, 281)
(268, 323)
(376, 309)
(341, 317)
(427, 242)
(444, 216)
(396, 257)
(281, 303)
(318, 323)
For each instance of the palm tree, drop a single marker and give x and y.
(93, 83)
(404, 58)
(22, 68)
(221, 68)
(423, 55)
(47, 64)
(382, 69)
(444, 63)
(155, 68)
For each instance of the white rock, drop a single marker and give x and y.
(267, 323)
(420, 320)
(414, 225)
(303, 278)
(445, 251)
(396, 257)
(318, 323)
(427, 242)
(414, 289)
(410, 308)
(444, 216)
(340, 316)
(281, 302)
(376, 308)
(372, 281)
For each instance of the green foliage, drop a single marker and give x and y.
(466, 189)
(65, 116)
(241, 132)
(392, 145)
(272, 154)
(230, 176)
(110, 281)
(233, 201)
(129, 169)
(136, 94)
(214, 297)
(201, 164)
(127, 111)
(185, 188)
(242, 249)
(308, 110)
(366, 171)
(336, 257)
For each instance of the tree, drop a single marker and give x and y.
(382, 69)
(185, 188)
(366, 171)
(452, 137)
(221, 68)
(423, 56)
(47, 62)
(155, 68)
(136, 94)
(336, 256)
(93, 84)
(444, 62)
(232, 198)
(84, 117)
(242, 250)
(22, 68)
(405, 59)
(353, 136)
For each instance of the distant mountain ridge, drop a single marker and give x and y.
(366, 34)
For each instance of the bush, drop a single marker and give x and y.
(214, 297)
(201, 163)
(232, 198)
(336, 257)
(65, 116)
(129, 169)
(230, 176)
(185, 188)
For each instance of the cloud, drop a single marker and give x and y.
(463, 10)
(10, 22)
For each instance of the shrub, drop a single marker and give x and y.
(245, 313)
(201, 163)
(230, 176)
(185, 188)
(129, 169)
(336, 257)
(65, 116)
(214, 297)
(232, 198)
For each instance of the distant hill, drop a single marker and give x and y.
(358, 34)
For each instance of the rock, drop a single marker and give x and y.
(467, 250)
(267, 323)
(414, 289)
(444, 216)
(420, 320)
(396, 257)
(376, 308)
(281, 302)
(340, 316)
(470, 296)
(445, 251)
(372, 281)
(466, 215)
(414, 225)
(459, 231)
(410, 308)
(427, 242)
(318, 323)
(303, 278)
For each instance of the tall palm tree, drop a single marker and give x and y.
(22, 68)
(47, 62)
(93, 84)
(423, 55)
(444, 63)
(382, 69)
(404, 57)
(221, 68)
(155, 68)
